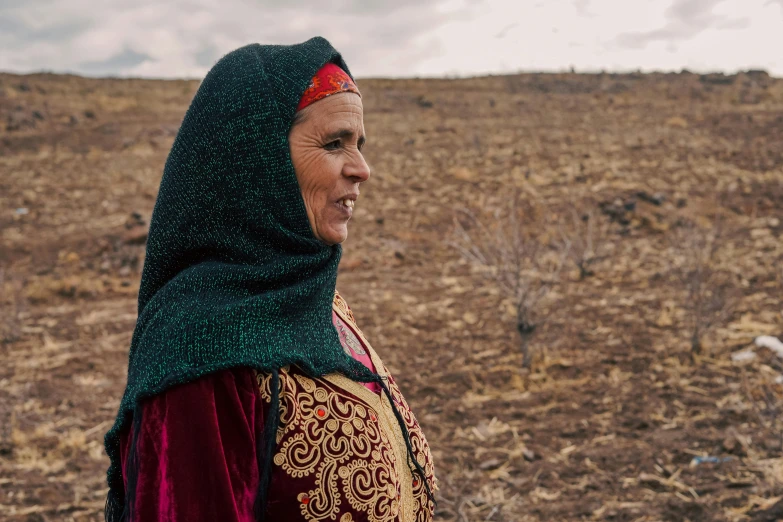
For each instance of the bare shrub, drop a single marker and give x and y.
(509, 251)
(765, 396)
(583, 237)
(13, 305)
(710, 293)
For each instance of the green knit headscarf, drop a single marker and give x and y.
(233, 274)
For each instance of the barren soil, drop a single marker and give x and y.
(607, 423)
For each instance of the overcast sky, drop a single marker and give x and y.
(183, 38)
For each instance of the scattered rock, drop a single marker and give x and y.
(136, 236)
(618, 210)
(656, 199)
(421, 101)
(677, 121)
(135, 219)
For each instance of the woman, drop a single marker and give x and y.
(252, 394)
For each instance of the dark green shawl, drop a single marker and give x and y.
(233, 274)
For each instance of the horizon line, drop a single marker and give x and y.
(444, 76)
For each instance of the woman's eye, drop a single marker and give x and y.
(332, 145)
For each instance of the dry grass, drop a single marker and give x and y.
(605, 425)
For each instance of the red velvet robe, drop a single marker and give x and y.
(340, 455)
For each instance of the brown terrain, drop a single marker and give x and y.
(610, 421)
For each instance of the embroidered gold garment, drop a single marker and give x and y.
(340, 453)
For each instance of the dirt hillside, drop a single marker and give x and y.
(616, 420)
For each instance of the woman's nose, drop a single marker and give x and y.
(357, 168)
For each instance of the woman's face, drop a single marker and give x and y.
(326, 145)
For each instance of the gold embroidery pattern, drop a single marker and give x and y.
(289, 406)
(343, 306)
(424, 508)
(338, 439)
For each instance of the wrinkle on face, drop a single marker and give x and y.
(326, 152)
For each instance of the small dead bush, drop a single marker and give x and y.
(13, 304)
(511, 249)
(583, 237)
(710, 294)
(765, 395)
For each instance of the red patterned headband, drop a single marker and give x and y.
(330, 79)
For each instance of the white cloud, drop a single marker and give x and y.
(183, 38)
(686, 19)
(595, 34)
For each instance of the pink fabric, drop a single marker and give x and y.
(345, 331)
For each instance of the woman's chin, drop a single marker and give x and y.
(336, 234)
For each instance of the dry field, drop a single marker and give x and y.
(612, 419)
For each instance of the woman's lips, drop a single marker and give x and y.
(345, 203)
(345, 207)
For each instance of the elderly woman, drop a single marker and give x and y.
(252, 394)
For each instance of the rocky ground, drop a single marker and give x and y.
(616, 420)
